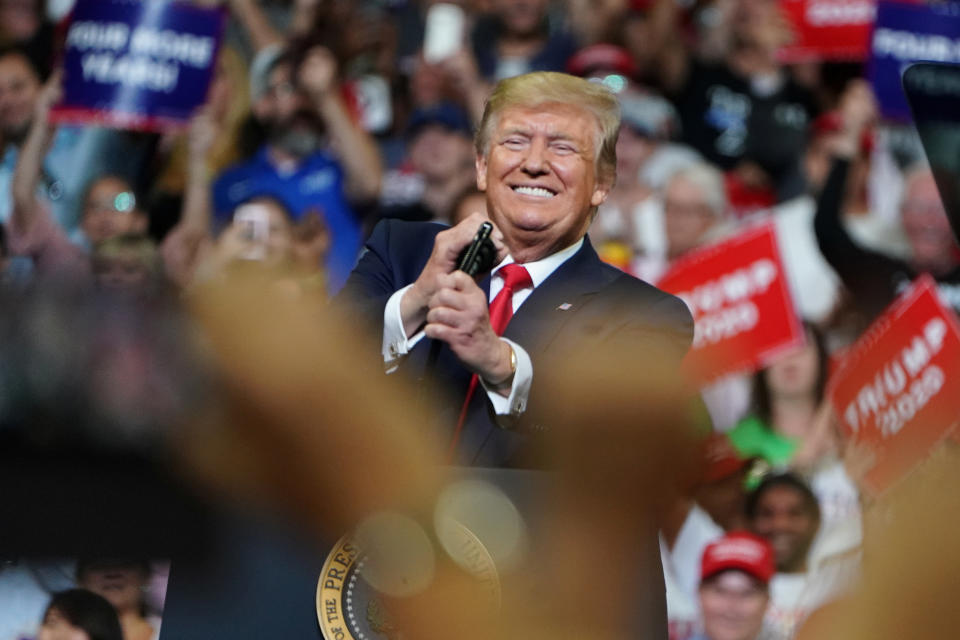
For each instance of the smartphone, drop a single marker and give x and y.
(443, 35)
(254, 222)
(478, 256)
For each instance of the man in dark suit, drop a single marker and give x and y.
(546, 160)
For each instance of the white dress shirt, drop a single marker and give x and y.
(396, 344)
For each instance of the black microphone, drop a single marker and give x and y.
(477, 257)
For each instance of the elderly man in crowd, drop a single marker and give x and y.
(734, 588)
(694, 209)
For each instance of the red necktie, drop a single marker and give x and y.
(515, 277)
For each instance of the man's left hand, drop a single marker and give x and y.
(318, 73)
(458, 315)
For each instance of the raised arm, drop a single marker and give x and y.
(304, 16)
(197, 205)
(671, 57)
(181, 248)
(461, 72)
(255, 24)
(354, 146)
(26, 175)
(857, 110)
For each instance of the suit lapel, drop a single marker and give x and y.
(557, 299)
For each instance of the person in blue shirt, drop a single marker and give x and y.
(317, 157)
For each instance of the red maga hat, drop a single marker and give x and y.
(602, 57)
(721, 459)
(742, 551)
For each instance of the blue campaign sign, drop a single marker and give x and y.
(137, 64)
(905, 33)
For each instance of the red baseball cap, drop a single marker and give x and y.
(739, 550)
(832, 122)
(721, 459)
(602, 57)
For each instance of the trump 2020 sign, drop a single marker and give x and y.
(742, 309)
(898, 388)
(137, 64)
(907, 32)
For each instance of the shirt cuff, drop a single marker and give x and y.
(515, 404)
(396, 344)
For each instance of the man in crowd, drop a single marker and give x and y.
(785, 511)
(734, 588)
(439, 166)
(740, 107)
(516, 38)
(694, 207)
(646, 159)
(307, 119)
(874, 278)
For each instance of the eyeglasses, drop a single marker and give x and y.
(123, 202)
(281, 89)
(615, 82)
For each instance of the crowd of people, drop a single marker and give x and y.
(325, 117)
(95, 599)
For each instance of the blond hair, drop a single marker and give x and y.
(709, 180)
(546, 87)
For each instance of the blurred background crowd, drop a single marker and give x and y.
(325, 116)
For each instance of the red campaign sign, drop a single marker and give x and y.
(742, 310)
(828, 29)
(898, 389)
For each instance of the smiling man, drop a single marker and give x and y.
(546, 160)
(784, 511)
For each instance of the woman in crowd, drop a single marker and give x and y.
(787, 425)
(791, 425)
(123, 584)
(78, 614)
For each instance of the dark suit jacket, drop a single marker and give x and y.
(583, 300)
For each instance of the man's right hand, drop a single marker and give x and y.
(858, 111)
(443, 260)
(50, 94)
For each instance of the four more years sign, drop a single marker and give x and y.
(137, 64)
(742, 309)
(828, 29)
(898, 390)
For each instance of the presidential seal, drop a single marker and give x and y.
(354, 590)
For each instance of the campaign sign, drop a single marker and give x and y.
(137, 64)
(898, 390)
(742, 310)
(907, 33)
(828, 29)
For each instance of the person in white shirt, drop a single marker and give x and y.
(785, 511)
